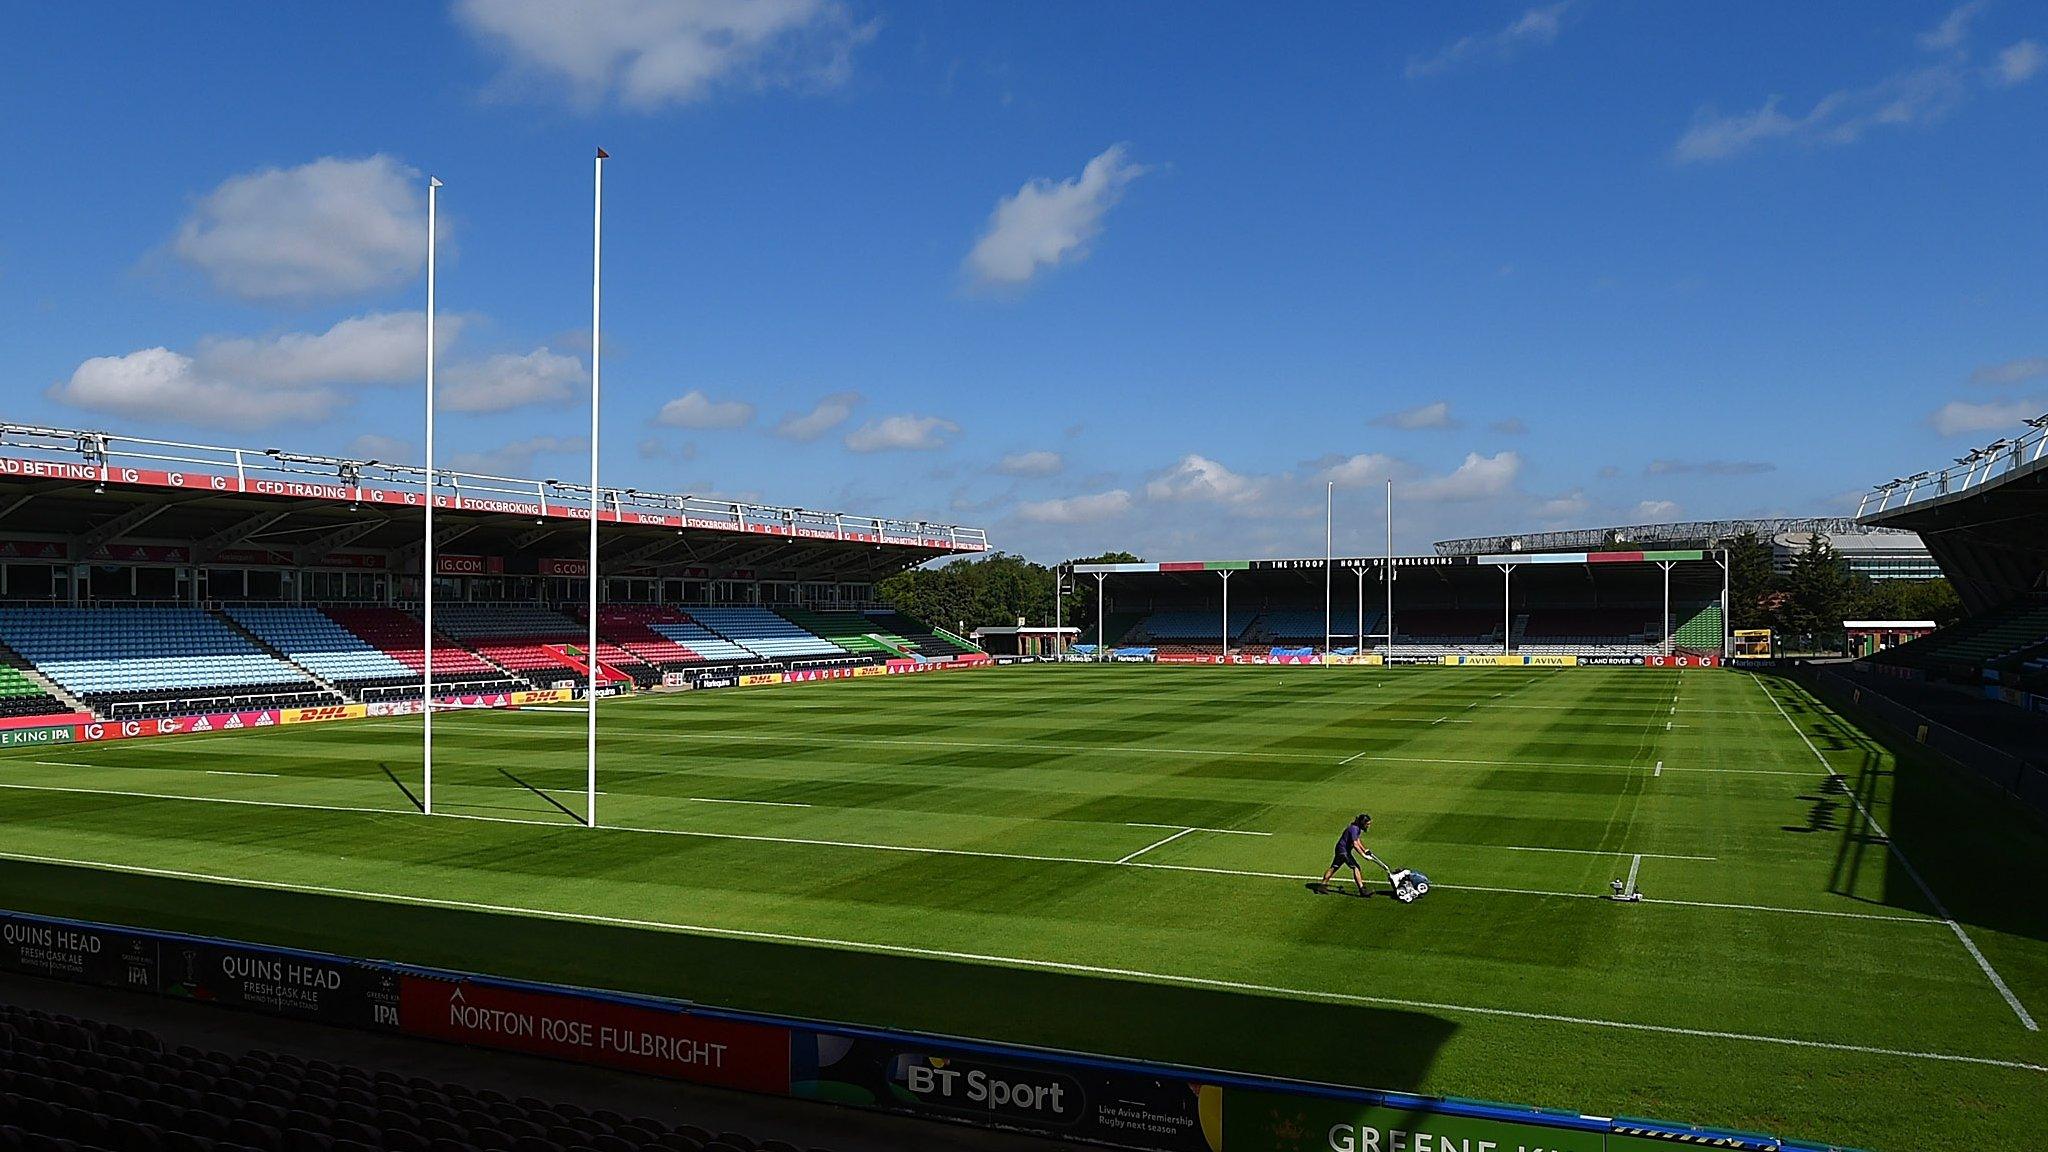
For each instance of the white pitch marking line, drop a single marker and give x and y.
(225, 772)
(1593, 852)
(757, 803)
(915, 850)
(1156, 844)
(1196, 828)
(1349, 759)
(1435, 722)
(1940, 909)
(1633, 868)
(1053, 965)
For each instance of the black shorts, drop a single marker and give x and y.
(1343, 859)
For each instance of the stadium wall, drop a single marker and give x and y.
(1069, 1096)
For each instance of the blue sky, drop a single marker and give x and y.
(1137, 275)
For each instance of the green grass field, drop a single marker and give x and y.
(1114, 859)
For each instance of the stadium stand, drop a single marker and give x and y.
(2002, 637)
(763, 633)
(715, 649)
(153, 661)
(312, 640)
(851, 631)
(521, 638)
(21, 696)
(1699, 627)
(397, 635)
(1291, 626)
(633, 627)
(927, 641)
(78, 1085)
(1193, 624)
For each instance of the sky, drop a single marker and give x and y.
(1138, 276)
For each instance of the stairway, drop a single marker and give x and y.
(267, 649)
(34, 675)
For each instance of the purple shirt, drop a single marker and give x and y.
(1350, 839)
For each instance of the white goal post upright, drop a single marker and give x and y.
(427, 556)
(590, 582)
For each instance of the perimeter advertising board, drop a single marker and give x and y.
(1255, 1121)
(33, 737)
(305, 986)
(629, 1035)
(86, 954)
(1068, 1100)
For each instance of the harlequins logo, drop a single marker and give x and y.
(1287, 1131)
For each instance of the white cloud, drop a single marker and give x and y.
(830, 413)
(1953, 29)
(329, 228)
(379, 348)
(1196, 477)
(509, 380)
(160, 383)
(2012, 371)
(1364, 468)
(651, 53)
(1917, 97)
(1478, 478)
(1658, 510)
(1039, 463)
(516, 460)
(1534, 28)
(1570, 505)
(2018, 63)
(1434, 415)
(1511, 426)
(1046, 223)
(251, 382)
(693, 409)
(1077, 509)
(905, 433)
(389, 449)
(1709, 467)
(1960, 416)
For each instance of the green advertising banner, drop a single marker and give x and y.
(1272, 1122)
(25, 737)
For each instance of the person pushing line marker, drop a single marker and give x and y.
(1350, 846)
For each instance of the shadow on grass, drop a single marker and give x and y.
(1365, 1045)
(1981, 853)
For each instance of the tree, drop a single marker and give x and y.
(1079, 609)
(1821, 594)
(993, 590)
(1751, 580)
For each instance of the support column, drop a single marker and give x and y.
(1507, 608)
(1361, 610)
(1101, 621)
(1666, 566)
(1726, 623)
(1225, 573)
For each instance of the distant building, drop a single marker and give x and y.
(1878, 553)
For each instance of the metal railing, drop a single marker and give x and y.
(1714, 533)
(1986, 465)
(103, 456)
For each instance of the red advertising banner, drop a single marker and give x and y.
(1683, 661)
(99, 731)
(458, 565)
(635, 1037)
(556, 566)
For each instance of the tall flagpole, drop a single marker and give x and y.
(590, 653)
(427, 559)
(1329, 519)
(1390, 566)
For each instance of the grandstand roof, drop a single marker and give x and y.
(1689, 534)
(1984, 518)
(96, 488)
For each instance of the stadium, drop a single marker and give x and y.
(925, 670)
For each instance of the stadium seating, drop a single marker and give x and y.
(850, 630)
(73, 1085)
(715, 649)
(519, 637)
(397, 634)
(633, 627)
(312, 640)
(1698, 627)
(1456, 628)
(21, 696)
(924, 639)
(1183, 624)
(763, 633)
(2004, 638)
(152, 661)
